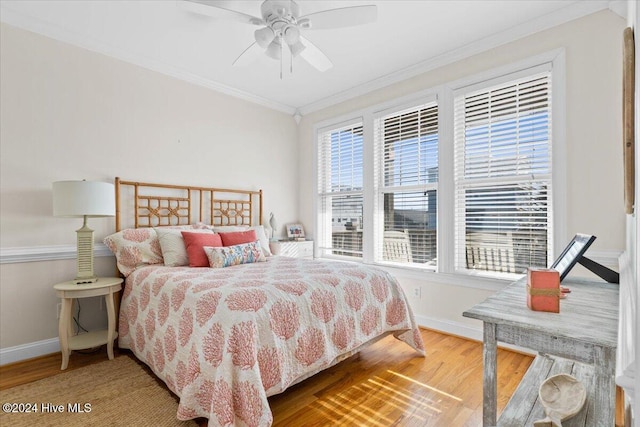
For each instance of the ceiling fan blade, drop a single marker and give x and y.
(205, 8)
(341, 17)
(314, 56)
(250, 54)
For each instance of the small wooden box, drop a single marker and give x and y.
(543, 290)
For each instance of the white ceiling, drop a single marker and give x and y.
(409, 37)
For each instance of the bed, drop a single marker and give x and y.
(223, 339)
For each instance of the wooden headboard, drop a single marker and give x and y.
(143, 204)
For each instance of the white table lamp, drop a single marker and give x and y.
(84, 199)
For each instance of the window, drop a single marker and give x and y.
(455, 179)
(340, 191)
(503, 176)
(406, 145)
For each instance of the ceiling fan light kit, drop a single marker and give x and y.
(296, 48)
(264, 37)
(274, 50)
(282, 23)
(291, 35)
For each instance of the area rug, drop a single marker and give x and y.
(116, 392)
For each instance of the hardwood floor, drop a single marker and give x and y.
(47, 366)
(386, 384)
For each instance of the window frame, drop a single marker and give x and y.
(351, 122)
(381, 189)
(499, 181)
(444, 96)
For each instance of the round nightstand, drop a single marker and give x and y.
(67, 291)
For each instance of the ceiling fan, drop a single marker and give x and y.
(282, 24)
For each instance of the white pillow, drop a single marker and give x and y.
(260, 234)
(172, 245)
(228, 228)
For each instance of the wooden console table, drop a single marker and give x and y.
(583, 335)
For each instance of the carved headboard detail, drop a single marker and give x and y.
(143, 204)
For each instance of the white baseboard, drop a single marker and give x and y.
(29, 351)
(458, 329)
(450, 327)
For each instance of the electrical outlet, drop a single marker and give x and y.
(58, 310)
(417, 292)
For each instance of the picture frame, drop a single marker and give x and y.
(295, 231)
(628, 123)
(574, 254)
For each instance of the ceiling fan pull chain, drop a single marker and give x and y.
(281, 54)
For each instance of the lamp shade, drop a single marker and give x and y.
(83, 198)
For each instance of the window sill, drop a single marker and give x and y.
(462, 280)
(456, 279)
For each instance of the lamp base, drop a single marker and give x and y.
(85, 255)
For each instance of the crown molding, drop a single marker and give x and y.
(56, 32)
(571, 12)
(619, 7)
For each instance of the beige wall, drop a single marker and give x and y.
(593, 48)
(68, 113)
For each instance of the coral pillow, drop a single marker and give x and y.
(195, 242)
(173, 248)
(260, 234)
(238, 238)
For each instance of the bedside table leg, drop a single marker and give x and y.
(111, 316)
(64, 325)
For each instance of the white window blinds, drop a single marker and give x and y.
(503, 176)
(406, 144)
(340, 190)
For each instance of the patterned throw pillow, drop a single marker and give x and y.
(134, 247)
(227, 256)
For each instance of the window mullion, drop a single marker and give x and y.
(446, 189)
(369, 185)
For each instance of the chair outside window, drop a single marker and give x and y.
(490, 252)
(396, 246)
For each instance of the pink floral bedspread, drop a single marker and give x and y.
(225, 339)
